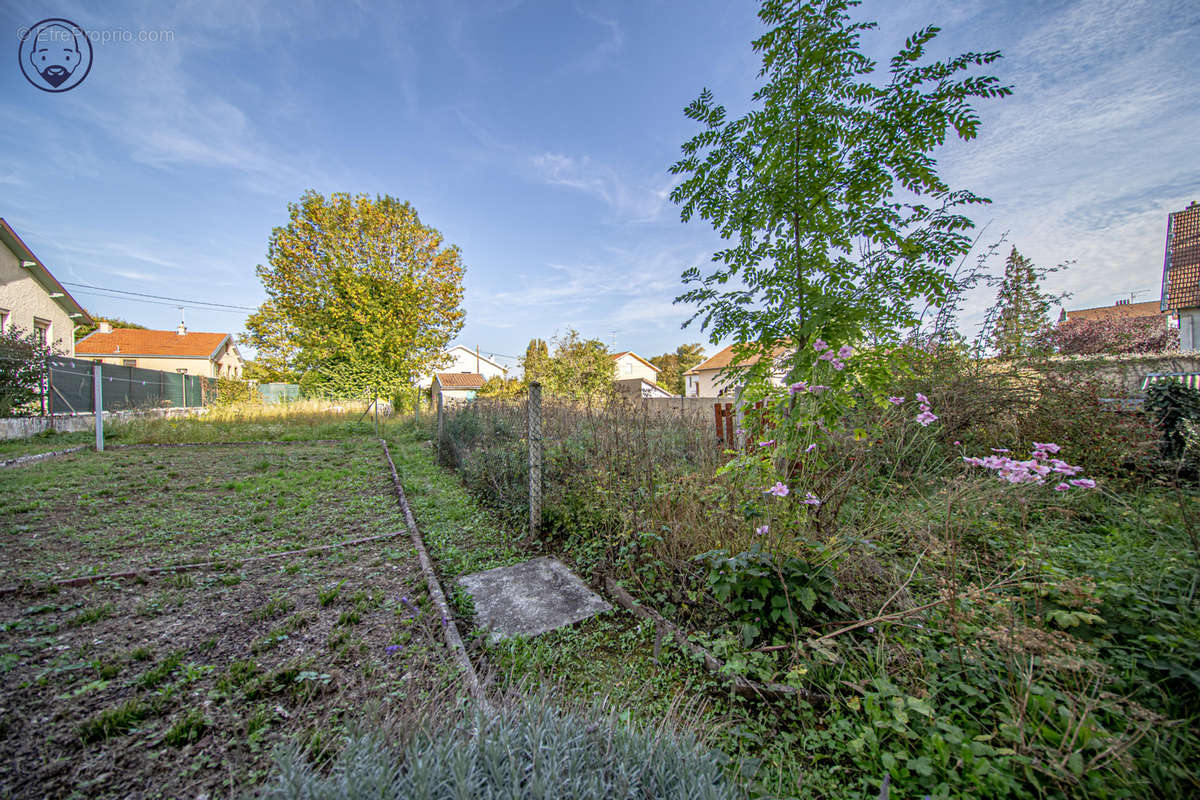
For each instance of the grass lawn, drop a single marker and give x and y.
(182, 684)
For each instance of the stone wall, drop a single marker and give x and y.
(24, 427)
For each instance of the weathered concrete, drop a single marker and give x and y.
(529, 598)
(24, 427)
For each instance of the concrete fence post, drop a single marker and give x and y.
(98, 404)
(534, 421)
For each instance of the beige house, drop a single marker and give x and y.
(628, 365)
(703, 379)
(31, 299)
(211, 355)
(463, 359)
(456, 387)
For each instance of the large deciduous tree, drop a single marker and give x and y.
(579, 369)
(827, 190)
(361, 296)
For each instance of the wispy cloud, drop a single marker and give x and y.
(631, 199)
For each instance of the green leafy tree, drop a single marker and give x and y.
(580, 369)
(1020, 322)
(674, 365)
(827, 190)
(83, 330)
(361, 296)
(536, 360)
(501, 388)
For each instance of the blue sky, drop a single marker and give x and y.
(537, 136)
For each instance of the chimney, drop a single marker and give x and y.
(182, 329)
(105, 327)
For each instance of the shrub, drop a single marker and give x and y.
(1174, 407)
(531, 751)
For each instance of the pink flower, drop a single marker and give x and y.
(1058, 465)
(922, 398)
(1048, 447)
(762, 530)
(828, 355)
(817, 389)
(820, 345)
(811, 499)
(797, 387)
(1062, 487)
(767, 443)
(896, 400)
(837, 364)
(957, 443)
(1000, 450)
(845, 351)
(780, 489)
(925, 418)
(1083, 483)
(811, 447)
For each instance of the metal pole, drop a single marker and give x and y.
(534, 414)
(375, 402)
(183, 383)
(439, 426)
(98, 404)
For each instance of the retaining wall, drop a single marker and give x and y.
(24, 427)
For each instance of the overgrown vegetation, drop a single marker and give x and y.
(972, 636)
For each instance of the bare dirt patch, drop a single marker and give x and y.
(182, 684)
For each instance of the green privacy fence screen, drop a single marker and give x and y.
(71, 389)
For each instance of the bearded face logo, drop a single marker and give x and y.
(56, 55)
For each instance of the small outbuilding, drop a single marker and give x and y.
(456, 387)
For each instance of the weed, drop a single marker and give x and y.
(158, 674)
(188, 728)
(275, 607)
(327, 595)
(114, 721)
(90, 615)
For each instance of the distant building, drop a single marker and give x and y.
(456, 387)
(704, 379)
(31, 299)
(212, 355)
(628, 365)
(465, 360)
(1181, 274)
(1122, 309)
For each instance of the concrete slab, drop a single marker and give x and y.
(529, 598)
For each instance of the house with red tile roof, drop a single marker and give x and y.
(456, 387)
(704, 379)
(212, 355)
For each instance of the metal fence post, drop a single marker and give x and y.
(98, 404)
(534, 414)
(439, 426)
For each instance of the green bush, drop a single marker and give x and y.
(534, 751)
(1174, 407)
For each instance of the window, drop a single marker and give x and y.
(42, 328)
(182, 370)
(128, 362)
(628, 368)
(3, 319)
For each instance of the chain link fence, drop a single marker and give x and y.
(603, 476)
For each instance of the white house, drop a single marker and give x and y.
(464, 360)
